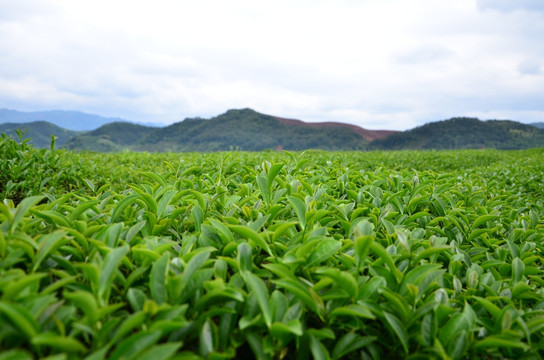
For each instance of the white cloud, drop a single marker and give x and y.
(509, 5)
(379, 64)
(530, 67)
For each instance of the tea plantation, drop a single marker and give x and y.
(267, 255)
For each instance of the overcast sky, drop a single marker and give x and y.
(380, 64)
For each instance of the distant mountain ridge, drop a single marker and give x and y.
(248, 130)
(70, 120)
(464, 133)
(242, 129)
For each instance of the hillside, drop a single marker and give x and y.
(539, 125)
(115, 136)
(39, 132)
(465, 133)
(247, 129)
(368, 135)
(243, 129)
(72, 120)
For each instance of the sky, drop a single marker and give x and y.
(379, 64)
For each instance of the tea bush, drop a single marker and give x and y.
(372, 255)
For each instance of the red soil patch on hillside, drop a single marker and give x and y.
(368, 135)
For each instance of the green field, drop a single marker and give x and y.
(271, 255)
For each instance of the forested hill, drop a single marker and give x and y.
(465, 133)
(39, 132)
(115, 136)
(243, 129)
(248, 130)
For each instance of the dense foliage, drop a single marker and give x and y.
(465, 133)
(374, 255)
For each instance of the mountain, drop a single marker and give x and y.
(73, 120)
(465, 133)
(242, 129)
(114, 136)
(539, 125)
(368, 135)
(248, 130)
(39, 133)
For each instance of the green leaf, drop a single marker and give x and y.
(164, 201)
(16, 354)
(353, 310)
(122, 205)
(262, 181)
(154, 177)
(491, 308)
(429, 329)
(324, 250)
(198, 217)
(58, 342)
(160, 352)
(107, 272)
(300, 209)
(319, 351)
(457, 323)
(248, 233)
(112, 234)
(500, 342)
(431, 251)
(130, 323)
(16, 287)
(23, 208)
(157, 278)
(131, 347)
(218, 296)
(86, 302)
(362, 246)
(258, 287)
(349, 343)
(136, 298)
(76, 213)
(343, 279)
(244, 257)
(305, 295)
(518, 268)
(206, 343)
(272, 173)
(223, 231)
(482, 220)
(149, 200)
(292, 327)
(20, 318)
(194, 264)
(382, 254)
(52, 217)
(398, 329)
